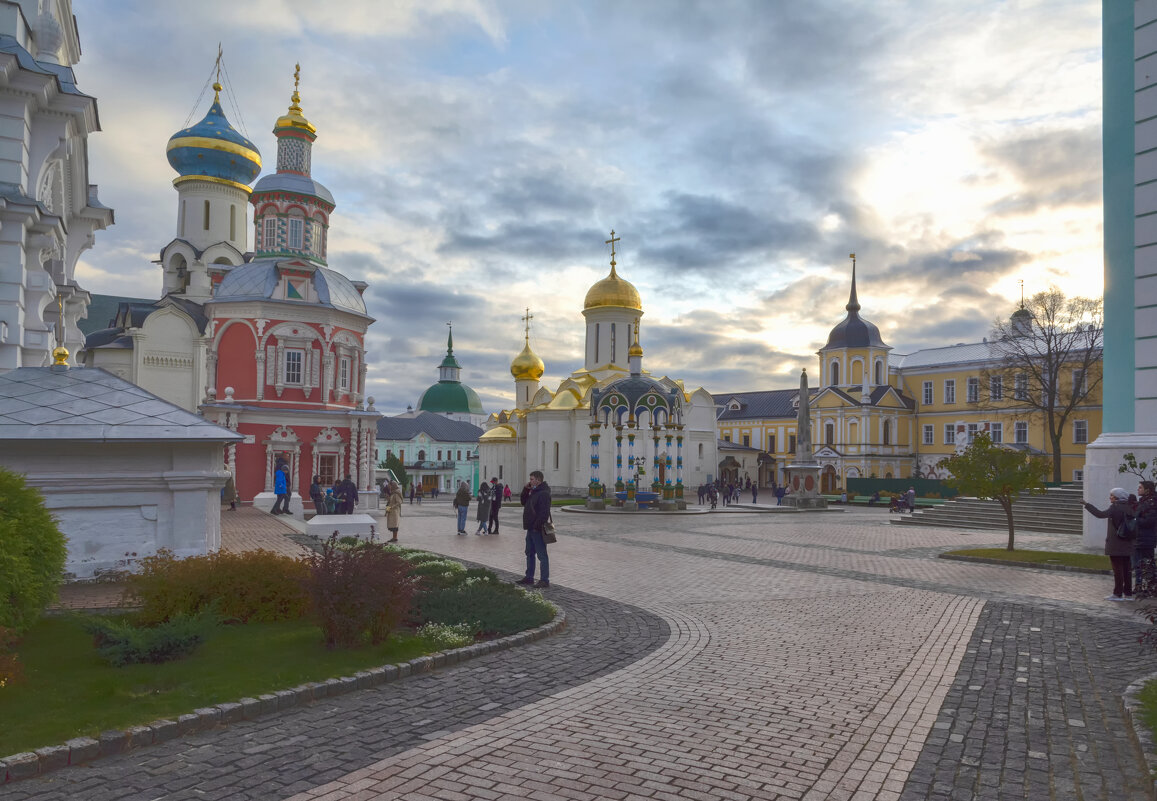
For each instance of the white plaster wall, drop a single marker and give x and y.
(168, 359)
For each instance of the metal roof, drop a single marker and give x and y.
(435, 426)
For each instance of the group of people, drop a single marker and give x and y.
(1130, 539)
(729, 492)
(488, 501)
(535, 499)
(340, 499)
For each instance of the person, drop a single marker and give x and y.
(229, 493)
(462, 506)
(1118, 549)
(875, 499)
(1143, 567)
(711, 496)
(701, 491)
(412, 492)
(281, 488)
(779, 493)
(911, 500)
(330, 503)
(506, 493)
(394, 511)
(337, 497)
(844, 497)
(483, 513)
(754, 493)
(350, 491)
(535, 500)
(496, 496)
(316, 495)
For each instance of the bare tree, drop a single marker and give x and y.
(1047, 361)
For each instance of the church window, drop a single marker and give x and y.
(597, 327)
(927, 393)
(995, 387)
(996, 432)
(973, 390)
(296, 227)
(887, 432)
(343, 380)
(206, 215)
(556, 456)
(928, 434)
(829, 433)
(459, 455)
(879, 378)
(614, 350)
(294, 359)
(232, 221)
(950, 391)
(500, 472)
(949, 433)
(181, 220)
(835, 374)
(269, 239)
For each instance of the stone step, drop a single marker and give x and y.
(1058, 510)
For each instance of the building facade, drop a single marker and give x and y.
(436, 451)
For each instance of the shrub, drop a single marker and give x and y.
(488, 606)
(259, 586)
(121, 643)
(437, 573)
(10, 669)
(442, 637)
(32, 554)
(358, 594)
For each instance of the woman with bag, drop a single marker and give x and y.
(483, 513)
(535, 515)
(1118, 544)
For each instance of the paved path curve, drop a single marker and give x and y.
(716, 657)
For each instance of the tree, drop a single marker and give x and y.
(985, 470)
(394, 464)
(1048, 361)
(32, 554)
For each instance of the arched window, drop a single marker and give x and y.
(887, 432)
(421, 456)
(206, 215)
(835, 374)
(879, 376)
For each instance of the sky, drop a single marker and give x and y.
(481, 152)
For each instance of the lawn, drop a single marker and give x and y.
(1148, 699)
(67, 691)
(1094, 561)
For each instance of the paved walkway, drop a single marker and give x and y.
(716, 657)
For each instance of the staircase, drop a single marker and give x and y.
(1058, 511)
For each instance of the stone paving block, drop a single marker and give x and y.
(82, 749)
(24, 765)
(53, 757)
(231, 712)
(188, 723)
(113, 742)
(164, 730)
(250, 708)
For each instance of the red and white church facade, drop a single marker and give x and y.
(268, 343)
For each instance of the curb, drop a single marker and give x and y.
(1130, 698)
(982, 560)
(30, 764)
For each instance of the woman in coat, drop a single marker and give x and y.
(483, 513)
(1118, 549)
(462, 506)
(394, 511)
(1146, 542)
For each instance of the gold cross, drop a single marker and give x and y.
(296, 75)
(527, 320)
(612, 242)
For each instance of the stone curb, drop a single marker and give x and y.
(982, 560)
(29, 764)
(1131, 699)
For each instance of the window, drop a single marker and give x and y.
(598, 326)
(887, 432)
(727, 437)
(343, 378)
(771, 443)
(500, 471)
(747, 440)
(1078, 475)
(296, 232)
(294, 359)
(459, 455)
(791, 444)
(1080, 386)
(996, 432)
(1020, 387)
(995, 387)
(829, 433)
(232, 221)
(1020, 433)
(1080, 431)
(556, 456)
(949, 434)
(973, 390)
(269, 238)
(835, 373)
(927, 393)
(327, 469)
(206, 215)
(879, 374)
(614, 337)
(973, 429)
(421, 455)
(700, 450)
(439, 456)
(950, 391)
(928, 435)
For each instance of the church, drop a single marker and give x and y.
(650, 430)
(269, 343)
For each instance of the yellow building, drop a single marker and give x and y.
(879, 414)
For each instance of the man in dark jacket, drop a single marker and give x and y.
(535, 512)
(495, 506)
(350, 491)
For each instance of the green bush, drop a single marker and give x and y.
(258, 586)
(437, 573)
(442, 637)
(32, 554)
(488, 606)
(121, 643)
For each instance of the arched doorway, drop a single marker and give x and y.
(828, 481)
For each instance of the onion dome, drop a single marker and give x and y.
(214, 150)
(613, 291)
(527, 365)
(294, 118)
(854, 331)
(450, 397)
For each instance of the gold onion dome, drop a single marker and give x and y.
(635, 349)
(613, 291)
(294, 118)
(527, 365)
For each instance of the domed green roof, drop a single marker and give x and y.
(450, 397)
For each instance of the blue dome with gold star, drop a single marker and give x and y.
(213, 149)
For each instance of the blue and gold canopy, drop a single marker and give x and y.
(214, 150)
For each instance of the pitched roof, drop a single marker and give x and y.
(435, 426)
(763, 403)
(102, 312)
(952, 354)
(39, 403)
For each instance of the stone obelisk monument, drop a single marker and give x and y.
(803, 474)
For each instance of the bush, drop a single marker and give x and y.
(121, 643)
(487, 606)
(358, 594)
(10, 669)
(441, 637)
(32, 554)
(258, 586)
(437, 573)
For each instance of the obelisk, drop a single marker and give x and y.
(803, 474)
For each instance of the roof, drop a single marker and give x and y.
(102, 311)
(90, 404)
(291, 182)
(952, 354)
(259, 279)
(764, 403)
(450, 396)
(435, 426)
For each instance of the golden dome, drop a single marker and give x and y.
(527, 365)
(636, 349)
(294, 118)
(613, 291)
(502, 432)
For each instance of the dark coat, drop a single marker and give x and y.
(536, 507)
(462, 496)
(496, 496)
(1115, 514)
(1146, 522)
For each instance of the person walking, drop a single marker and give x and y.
(754, 493)
(350, 491)
(317, 496)
(281, 488)
(910, 496)
(462, 506)
(535, 512)
(229, 493)
(394, 511)
(1144, 575)
(411, 494)
(495, 506)
(1118, 549)
(482, 515)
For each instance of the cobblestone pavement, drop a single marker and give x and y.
(725, 656)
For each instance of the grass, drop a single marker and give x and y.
(67, 691)
(1093, 561)
(1148, 699)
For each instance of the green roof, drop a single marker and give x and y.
(452, 397)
